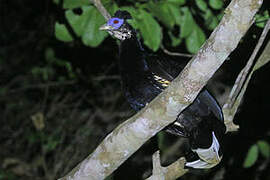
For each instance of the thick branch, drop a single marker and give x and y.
(163, 110)
(170, 173)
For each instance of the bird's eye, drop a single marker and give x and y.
(116, 23)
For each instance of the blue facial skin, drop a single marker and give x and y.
(115, 22)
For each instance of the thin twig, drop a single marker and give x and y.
(103, 78)
(230, 107)
(102, 9)
(245, 71)
(174, 53)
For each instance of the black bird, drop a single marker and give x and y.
(145, 75)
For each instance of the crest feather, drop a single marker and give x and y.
(122, 14)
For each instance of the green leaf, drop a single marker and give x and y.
(220, 16)
(49, 54)
(134, 13)
(195, 40)
(92, 36)
(177, 2)
(211, 21)
(61, 33)
(175, 12)
(261, 19)
(216, 4)
(202, 5)
(78, 22)
(56, 1)
(162, 11)
(167, 13)
(264, 148)
(150, 30)
(175, 40)
(3, 90)
(252, 156)
(187, 22)
(71, 4)
(50, 144)
(86, 25)
(212, 24)
(135, 21)
(111, 7)
(131, 10)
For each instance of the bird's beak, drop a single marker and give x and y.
(106, 27)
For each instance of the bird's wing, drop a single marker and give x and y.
(164, 70)
(165, 67)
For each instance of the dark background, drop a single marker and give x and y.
(80, 106)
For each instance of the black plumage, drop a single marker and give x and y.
(145, 75)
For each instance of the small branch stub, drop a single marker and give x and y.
(170, 172)
(158, 170)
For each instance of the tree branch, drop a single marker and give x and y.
(229, 113)
(102, 9)
(230, 107)
(171, 172)
(174, 53)
(243, 74)
(163, 110)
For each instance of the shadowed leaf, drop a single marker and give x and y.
(195, 40)
(264, 148)
(252, 156)
(150, 30)
(61, 33)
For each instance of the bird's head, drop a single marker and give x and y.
(118, 27)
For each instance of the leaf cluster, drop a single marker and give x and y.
(261, 147)
(153, 19)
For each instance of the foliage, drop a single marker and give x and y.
(150, 18)
(262, 147)
(48, 71)
(61, 33)
(252, 156)
(261, 18)
(6, 175)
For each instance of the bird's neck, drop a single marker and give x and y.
(132, 56)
